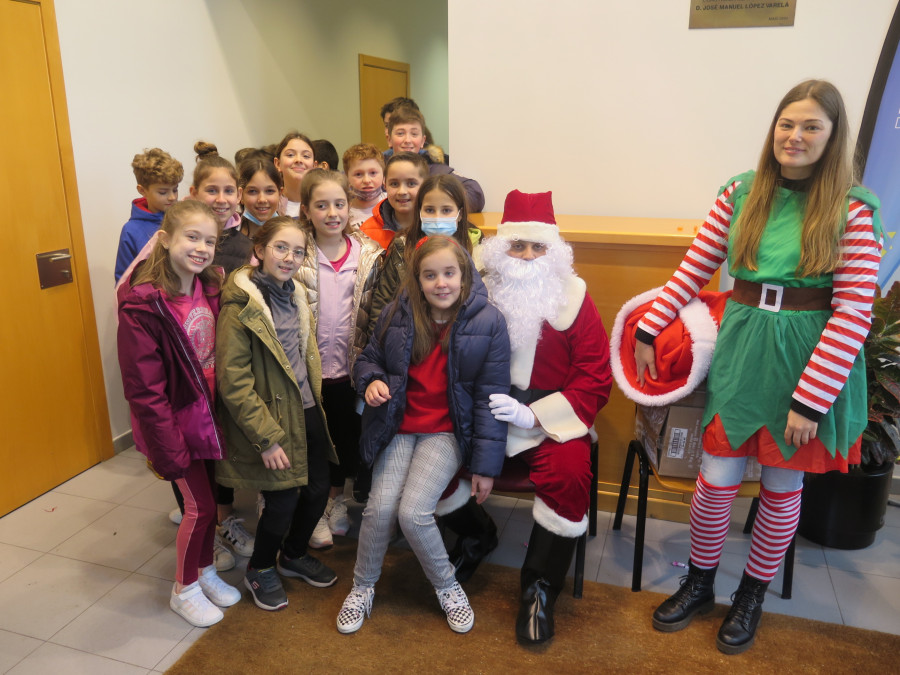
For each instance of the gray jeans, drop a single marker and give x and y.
(407, 480)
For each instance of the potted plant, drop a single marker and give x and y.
(846, 510)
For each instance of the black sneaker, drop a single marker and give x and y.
(309, 569)
(268, 593)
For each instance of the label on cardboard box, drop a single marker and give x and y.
(673, 437)
(677, 442)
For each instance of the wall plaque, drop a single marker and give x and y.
(741, 13)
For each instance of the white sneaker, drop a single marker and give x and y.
(355, 609)
(321, 536)
(338, 522)
(194, 607)
(175, 515)
(214, 588)
(222, 558)
(234, 534)
(457, 608)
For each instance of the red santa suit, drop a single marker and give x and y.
(570, 360)
(561, 378)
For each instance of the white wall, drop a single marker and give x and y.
(235, 72)
(621, 110)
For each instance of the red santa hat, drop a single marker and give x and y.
(683, 349)
(529, 217)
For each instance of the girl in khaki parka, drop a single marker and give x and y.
(270, 380)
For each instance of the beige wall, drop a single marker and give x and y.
(169, 72)
(621, 110)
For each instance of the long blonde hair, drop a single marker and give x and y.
(157, 270)
(833, 175)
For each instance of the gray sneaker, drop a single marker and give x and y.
(312, 571)
(266, 588)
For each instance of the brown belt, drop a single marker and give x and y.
(775, 298)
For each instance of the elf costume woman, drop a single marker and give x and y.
(786, 383)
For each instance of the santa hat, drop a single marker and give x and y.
(683, 349)
(529, 217)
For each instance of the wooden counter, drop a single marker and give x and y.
(620, 258)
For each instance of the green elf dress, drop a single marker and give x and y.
(760, 354)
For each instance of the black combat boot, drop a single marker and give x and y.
(696, 595)
(738, 631)
(477, 537)
(543, 577)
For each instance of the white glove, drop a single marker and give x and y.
(507, 409)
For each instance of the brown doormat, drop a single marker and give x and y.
(607, 631)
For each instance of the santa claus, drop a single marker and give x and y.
(561, 378)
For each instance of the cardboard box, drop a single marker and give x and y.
(673, 437)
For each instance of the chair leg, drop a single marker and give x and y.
(787, 585)
(592, 514)
(626, 480)
(643, 494)
(751, 516)
(581, 547)
(580, 550)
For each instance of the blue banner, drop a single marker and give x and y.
(879, 145)
(882, 174)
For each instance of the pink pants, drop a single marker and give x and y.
(194, 542)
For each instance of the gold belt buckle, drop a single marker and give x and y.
(775, 305)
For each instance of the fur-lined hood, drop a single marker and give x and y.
(241, 290)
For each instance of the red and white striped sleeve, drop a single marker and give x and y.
(854, 283)
(706, 254)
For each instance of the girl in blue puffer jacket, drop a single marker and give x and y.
(436, 355)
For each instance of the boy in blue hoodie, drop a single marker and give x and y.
(158, 175)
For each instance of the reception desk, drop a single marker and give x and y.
(620, 258)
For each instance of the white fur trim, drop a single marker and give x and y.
(703, 330)
(555, 523)
(544, 233)
(558, 419)
(575, 291)
(519, 440)
(521, 362)
(456, 500)
(242, 280)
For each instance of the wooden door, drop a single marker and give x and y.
(53, 412)
(380, 80)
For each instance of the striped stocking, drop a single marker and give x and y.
(710, 517)
(776, 523)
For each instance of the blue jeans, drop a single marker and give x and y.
(728, 471)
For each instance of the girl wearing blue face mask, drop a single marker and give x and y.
(440, 209)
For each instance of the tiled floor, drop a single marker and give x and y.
(86, 571)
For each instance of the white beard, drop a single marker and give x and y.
(528, 292)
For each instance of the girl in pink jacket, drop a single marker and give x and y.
(166, 342)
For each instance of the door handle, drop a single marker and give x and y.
(54, 268)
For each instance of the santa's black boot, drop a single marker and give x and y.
(697, 595)
(543, 577)
(477, 537)
(738, 631)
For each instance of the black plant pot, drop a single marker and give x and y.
(845, 510)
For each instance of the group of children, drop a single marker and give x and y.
(249, 338)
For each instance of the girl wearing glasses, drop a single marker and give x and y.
(270, 381)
